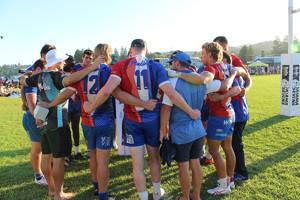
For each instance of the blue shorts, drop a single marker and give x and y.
(137, 134)
(102, 137)
(218, 127)
(204, 113)
(31, 129)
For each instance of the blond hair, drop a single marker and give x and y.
(215, 49)
(103, 49)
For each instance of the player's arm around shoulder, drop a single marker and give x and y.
(177, 99)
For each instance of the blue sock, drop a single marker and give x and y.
(103, 196)
(39, 176)
(95, 184)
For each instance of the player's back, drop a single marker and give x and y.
(88, 88)
(140, 77)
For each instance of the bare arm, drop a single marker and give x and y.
(177, 99)
(77, 76)
(24, 107)
(227, 83)
(232, 92)
(31, 102)
(164, 119)
(129, 99)
(203, 78)
(22, 80)
(248, 83)
(102, 95)
(240, 71)
(62, 97)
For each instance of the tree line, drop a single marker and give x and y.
(11, 70)
(279, 47)
(246, 53)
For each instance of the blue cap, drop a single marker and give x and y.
(114, 59)
(182, 57)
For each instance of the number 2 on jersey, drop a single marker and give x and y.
(94, 89)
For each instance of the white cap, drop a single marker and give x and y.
(54, 56)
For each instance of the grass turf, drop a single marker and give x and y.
(272, 145)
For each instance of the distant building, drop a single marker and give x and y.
(195, 61)
(272, 61)
(163, 61)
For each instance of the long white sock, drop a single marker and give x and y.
(203, 149)
(143, 195)
(76, 150)
(223, 183)
(156, 187)
(230, 179)
(208, 155)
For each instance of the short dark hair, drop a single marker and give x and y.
(46, 48)
(183, 64)
(70, 63)
(157, 60)
(174, 53)
(227, 56)
(41, 63)
(87, 52)
(221, 39)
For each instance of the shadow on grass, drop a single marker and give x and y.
(250, 128)
(16, 174)
(13, 153)
(29, 191)
(261, 165)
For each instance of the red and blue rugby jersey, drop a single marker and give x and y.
(141, 77)
(87, 89)
(219, 108)
(240, 104)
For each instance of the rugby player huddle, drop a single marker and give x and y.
(154, 99)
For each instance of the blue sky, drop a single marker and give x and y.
(165, 25)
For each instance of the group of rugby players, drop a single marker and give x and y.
(151, 103)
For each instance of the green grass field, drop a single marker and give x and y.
(272, 150)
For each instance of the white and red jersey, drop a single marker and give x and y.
(141, 77)
(219, 108)
(87, 89)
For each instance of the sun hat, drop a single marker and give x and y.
(54, 56)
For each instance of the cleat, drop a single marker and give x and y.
(205, 161)
(96, 191)
(68, 163)
(156, 196)
(111, 197)
(79, 156)
(219, 190)
(231, 184)
(42, 181)
(72, 159)
(238, 177)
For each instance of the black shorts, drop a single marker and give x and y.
(191, 150)
(57, 142)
